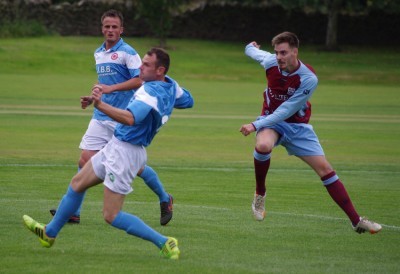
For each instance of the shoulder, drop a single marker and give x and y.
(157, 88)
(145, 94)
(306, 71)
(154, 88)
(310, 68)
(99, 49)
(126, 48)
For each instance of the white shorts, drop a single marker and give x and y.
(118, 163)
(97, 134)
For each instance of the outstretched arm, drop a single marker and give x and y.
(184, 99)
(263, 57)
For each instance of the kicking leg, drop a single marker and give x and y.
(338, 193)
(133, 225)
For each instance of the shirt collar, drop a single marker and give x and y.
(114, 48)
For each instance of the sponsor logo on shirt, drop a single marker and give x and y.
(291, 91)
(114, 56)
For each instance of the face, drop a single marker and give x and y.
(286, 57)
(112, 30)
(148, 69)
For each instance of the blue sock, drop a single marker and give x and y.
(78, 211)
(66, 209)
(151, 179)
(135, 226)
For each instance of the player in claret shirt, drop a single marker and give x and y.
(284, 121)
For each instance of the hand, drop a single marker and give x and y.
(86, 101)
(96, 96)
(247, 129)
(104, 88)
(254, 43)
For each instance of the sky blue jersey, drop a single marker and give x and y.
(151, 106)
(116, 65)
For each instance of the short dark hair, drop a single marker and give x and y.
(114, 14)
(162, 57)
(286, 37)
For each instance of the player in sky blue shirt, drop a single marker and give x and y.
(284, 119)
(117, 66)
(117, 164)
(151, 98)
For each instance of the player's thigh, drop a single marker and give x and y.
(85, 179)
(112, 204)
(318, 163)
(266, 139)
(85, 156)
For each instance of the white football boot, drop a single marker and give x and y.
(258, 207)
(366, 225)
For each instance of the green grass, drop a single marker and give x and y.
(205, 163)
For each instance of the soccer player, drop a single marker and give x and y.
(117, 65)
(284, 120)
(117, 164)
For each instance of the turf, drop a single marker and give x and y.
(205, 163)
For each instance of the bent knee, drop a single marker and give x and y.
(109, 216)
(85, 157)
(76, 183)
(264, 147)
(81, 162)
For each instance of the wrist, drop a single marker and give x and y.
(97, 104)
(254, 126)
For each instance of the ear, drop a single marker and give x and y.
(122, 30)
(161, 70)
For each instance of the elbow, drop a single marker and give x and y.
(191, 103)
(130, 121)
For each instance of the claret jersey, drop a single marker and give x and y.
(287, 94)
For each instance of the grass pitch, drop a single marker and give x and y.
(205, 163)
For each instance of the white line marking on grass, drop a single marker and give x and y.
(223, 169)
(36, 165)
(324, 217)
(310, 216)
(75, 111)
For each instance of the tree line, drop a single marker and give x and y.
(170, 18)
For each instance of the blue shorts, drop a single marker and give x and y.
(298, 139)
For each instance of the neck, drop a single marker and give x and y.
(110, 44)
(293, 67)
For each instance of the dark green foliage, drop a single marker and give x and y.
(159, 16)
(23, 28)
